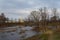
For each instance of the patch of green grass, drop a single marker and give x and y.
(57, 36)
(38, 37)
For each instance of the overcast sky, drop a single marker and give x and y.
(22, 8)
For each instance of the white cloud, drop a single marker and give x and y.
(31, 3)
(17, 11)
(23, 11)
(20, 0)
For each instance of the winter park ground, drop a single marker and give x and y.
(13, 33)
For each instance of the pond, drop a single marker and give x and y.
(16, 33)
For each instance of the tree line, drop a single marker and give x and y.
(42, 15)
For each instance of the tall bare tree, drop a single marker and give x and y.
(54, 11)
(43, 13)
(35, 16)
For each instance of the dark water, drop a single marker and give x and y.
(19, 33)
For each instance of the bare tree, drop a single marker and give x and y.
(35, 16)
(54, 11)
(43, 13)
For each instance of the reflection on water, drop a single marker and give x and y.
(16, 33)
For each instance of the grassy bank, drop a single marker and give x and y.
(54, 36)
